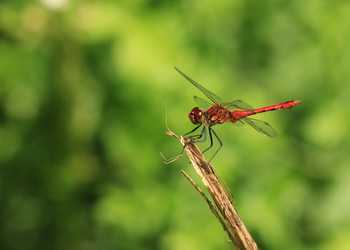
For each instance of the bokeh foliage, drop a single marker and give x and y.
(82, 121)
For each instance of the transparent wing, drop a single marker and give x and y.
(262, 127)
(237, 123)
(239, 104)
(214, 98)
(203, 104)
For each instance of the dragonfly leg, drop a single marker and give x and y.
(202, 134)
(217, 137)
(211, 140)
(194, 130)
(196, 138)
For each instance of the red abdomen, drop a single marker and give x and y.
(238, 114)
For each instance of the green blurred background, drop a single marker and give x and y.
(82, 121)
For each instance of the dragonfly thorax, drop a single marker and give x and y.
(217, 114)
(196, 116)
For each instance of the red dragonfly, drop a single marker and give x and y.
(218, 112)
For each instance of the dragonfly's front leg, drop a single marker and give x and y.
(193, 131)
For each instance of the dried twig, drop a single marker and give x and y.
(225, 212)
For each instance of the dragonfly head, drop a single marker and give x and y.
(196, 116)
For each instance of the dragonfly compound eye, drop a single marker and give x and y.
(196, 115)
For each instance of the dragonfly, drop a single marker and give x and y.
(219, 112)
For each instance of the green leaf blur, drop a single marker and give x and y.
(82, 122)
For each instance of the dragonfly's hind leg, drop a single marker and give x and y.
(217, 137)
(211, 140)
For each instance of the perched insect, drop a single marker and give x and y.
(219, 112)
